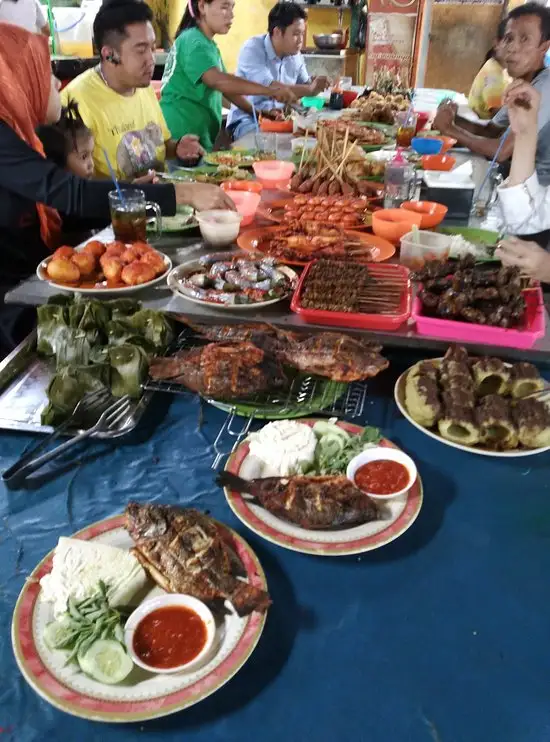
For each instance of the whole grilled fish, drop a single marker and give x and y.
(187, 552)
(221, 370)
(314, 503)
(339, 357)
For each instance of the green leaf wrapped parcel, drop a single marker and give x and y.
(97, 344)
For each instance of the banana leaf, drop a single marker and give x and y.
(67, 388)
(129, 367)
(119, 308)
(154, 326)
(75, 350)
(62, 300)
(91, 316)
(52, 328)
(120, 332)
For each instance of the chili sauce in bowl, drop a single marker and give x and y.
(382, 472)
(170, 633)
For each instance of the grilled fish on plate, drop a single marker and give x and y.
(185, 551)
(313, 503)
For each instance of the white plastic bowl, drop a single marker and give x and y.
(381, 453)
(165, 601)
(218, 226)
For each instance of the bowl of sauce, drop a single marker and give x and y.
(170, 633)
(382, 473)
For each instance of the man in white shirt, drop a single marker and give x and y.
(27, 14)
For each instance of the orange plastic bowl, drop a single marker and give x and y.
(251, 186)
(278, 127)
(438, 162)
(246, 203)
(392, 224)
(431, 212)
(274, 174)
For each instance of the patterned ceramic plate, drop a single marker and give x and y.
(143, 695)
(399, 396)
(397, 516)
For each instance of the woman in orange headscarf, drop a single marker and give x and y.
(34, 190)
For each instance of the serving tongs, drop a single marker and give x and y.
(89, 407)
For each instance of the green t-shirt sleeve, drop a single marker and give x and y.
(197, 56)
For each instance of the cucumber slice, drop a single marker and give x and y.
(330, 445)
(57, 633)
(322, 428)
(106, 661)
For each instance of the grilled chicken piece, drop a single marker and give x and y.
(338, 357)
(314, 503)
(221, 370)
(185, 551)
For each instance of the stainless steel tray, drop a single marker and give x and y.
(24, 378)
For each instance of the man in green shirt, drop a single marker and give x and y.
(195, 80)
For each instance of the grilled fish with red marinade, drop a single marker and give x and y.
(187, 552)
(314, 503)
(221, 370)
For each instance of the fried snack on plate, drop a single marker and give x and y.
(63, 271)
(458, 424)
(94, 248)
(533, 420)
(525, 379)
(111, 267)
(490, 376)
(422, 399)
(154, 259)
(115, 247)
(64, 252)
(85, 262)
(138, 273)
(495, 423)
(129, 255)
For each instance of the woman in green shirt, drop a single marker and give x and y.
(195, 81)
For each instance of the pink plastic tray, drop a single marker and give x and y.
(525, 336)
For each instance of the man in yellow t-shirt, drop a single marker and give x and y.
(116, 99)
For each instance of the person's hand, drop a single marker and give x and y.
(282, 93)
(274, 114)
(151, 177)
(202, 196)
(320, 84)
(189, 148)
(445, 118)
(532, 260)
(523, 103)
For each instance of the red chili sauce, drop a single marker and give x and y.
(382, 477)
(169, 637)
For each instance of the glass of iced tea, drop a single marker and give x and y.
(406, 127)
(129, 215)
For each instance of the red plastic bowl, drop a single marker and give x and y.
(274, 173)
(252, 186)
(348, 96)
(422, 120)
(247, 204)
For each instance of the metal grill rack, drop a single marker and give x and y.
(306, 395)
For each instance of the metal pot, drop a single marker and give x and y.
(336, 40)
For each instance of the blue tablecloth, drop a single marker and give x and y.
(441, 636)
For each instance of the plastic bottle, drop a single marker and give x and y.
(399, 181)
